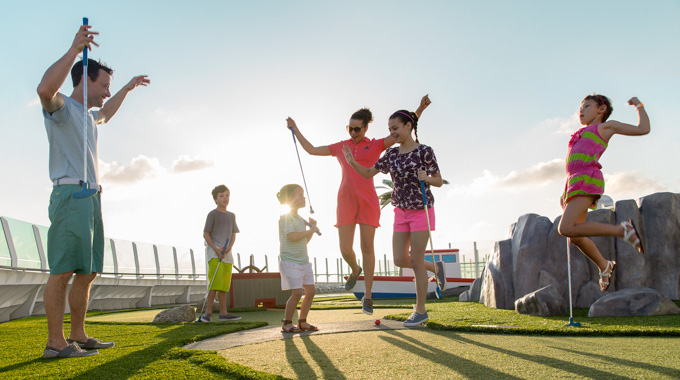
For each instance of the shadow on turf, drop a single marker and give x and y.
(576, 369)
(464, 367)
(665, 371)
(299, 364)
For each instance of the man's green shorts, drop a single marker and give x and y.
(75, 240)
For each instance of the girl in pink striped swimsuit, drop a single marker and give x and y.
(585, 183)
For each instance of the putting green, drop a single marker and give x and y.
(408, 354)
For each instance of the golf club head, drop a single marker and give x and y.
(438, 293)
(86, 192)
(572, 323)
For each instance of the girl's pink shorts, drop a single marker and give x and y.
(412, 220)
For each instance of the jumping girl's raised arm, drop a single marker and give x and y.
(363, 171)
(424, 103)
(610, 128)
(306, 145)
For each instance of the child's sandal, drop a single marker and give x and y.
(310, 328)
(291, 329)
(631, 235)
(606, 275)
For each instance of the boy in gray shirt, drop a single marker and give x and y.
(219, 234)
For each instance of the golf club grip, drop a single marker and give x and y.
(422, 188)
(225, 247)
(310, 226)
(85, 49)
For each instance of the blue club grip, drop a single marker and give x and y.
(422, 188)
(85, 50)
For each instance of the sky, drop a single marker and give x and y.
(505, 79)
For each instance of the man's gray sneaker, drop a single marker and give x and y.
(415, 319)
(352, 280)
(203, 318)
(91, 343)
(367, 305)
(229, 317)
(440, 275)
(70, 351)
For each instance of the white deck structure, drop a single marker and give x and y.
(136, 275)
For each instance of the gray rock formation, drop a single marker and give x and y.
(535, 256)
(473, 294)
(637, 301)
(184, 313)
(544, 302)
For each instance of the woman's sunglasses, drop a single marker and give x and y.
(354, 129)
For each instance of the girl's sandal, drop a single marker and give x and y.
(631, 235)
(310, 328)
(291, 329)
(606, 275)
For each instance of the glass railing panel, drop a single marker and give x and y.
(146, 258)
(24, 244)
(166, 260)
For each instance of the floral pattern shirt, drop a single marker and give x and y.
(403, 168)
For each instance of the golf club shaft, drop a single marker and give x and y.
(571, 316)
(85, 109)
(311, 210)
(429, 231)
(213, 277)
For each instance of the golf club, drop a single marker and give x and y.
(571, 316)
(86, 192)
(310, 226)
(429, 232)
(311, 210)
(205, 301)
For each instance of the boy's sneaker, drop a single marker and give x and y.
(415, 319)
(367, 305)
(229, 317)
(440, 275)
(352, 280)
(203, 318)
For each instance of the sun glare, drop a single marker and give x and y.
(285, 209)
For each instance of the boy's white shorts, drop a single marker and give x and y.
(294, 275)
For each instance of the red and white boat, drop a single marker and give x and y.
(404, 286)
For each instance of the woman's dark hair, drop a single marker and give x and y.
(93, 68)
(364, 115)
(407, 117)
(602, 100)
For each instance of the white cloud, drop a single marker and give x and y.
(34, 102)
(630, 185)
(185, 163)
(538, 175)
(140, 167)
(562, 125)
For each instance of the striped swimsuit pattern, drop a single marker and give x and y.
(584, 176)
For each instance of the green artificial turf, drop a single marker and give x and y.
(475, 317)
(152, 350)
(143, 351)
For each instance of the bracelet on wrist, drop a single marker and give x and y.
(639, 105)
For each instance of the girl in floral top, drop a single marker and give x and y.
(408, 165)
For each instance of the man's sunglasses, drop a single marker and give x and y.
(354, 129)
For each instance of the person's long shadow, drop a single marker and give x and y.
(326, 365)
(297, 362)
(579, 370)
(666, 371)
(466, 368)
(138, 360)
